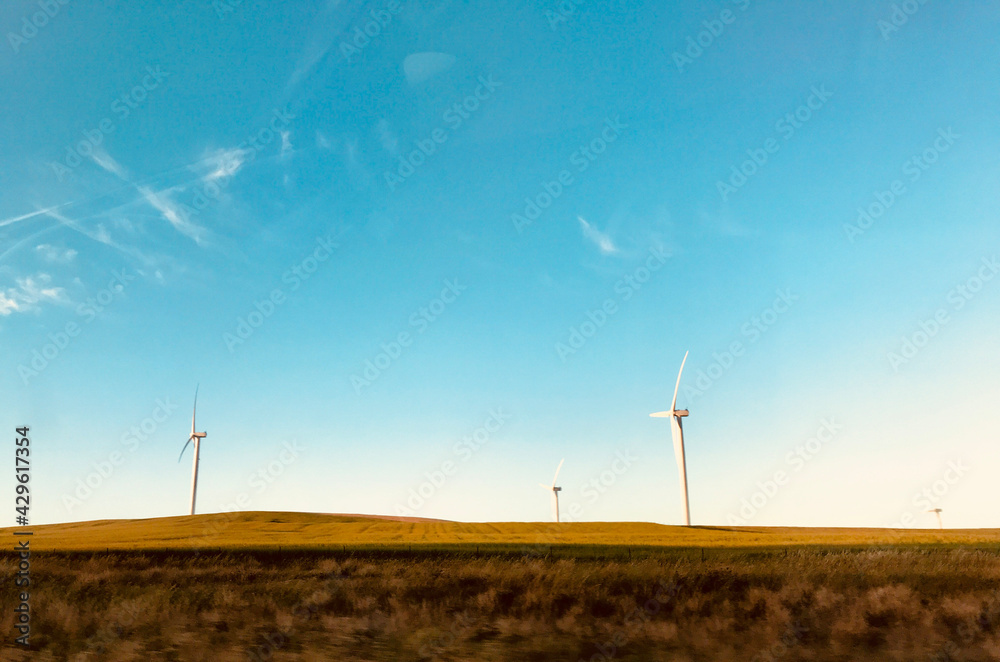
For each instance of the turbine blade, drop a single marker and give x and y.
(545, 487)
(184, 449)
(662, 414)
(677, 388)
(557, 472)
(195, 410)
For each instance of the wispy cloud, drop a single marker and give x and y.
(172, 212)
(598, 238)
(53, 254)
(73, 225)
(100, 235)
(223, 163)
(24, 217)
(389, 141)
(103, 159)
(327, 29)
(286, 143)
(124, 224)
(723, 223)
(351, 153)
(29, 294)
(160, 201)
(314, 53)
(420, 67)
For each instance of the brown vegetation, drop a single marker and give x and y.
(808, 605)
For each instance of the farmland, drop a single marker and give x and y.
(300, 586)
(289, 531)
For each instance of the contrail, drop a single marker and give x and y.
(24, 217)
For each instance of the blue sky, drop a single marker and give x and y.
(264, 199)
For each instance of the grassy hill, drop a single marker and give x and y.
(270, 530)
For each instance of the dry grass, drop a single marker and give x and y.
(737, 605)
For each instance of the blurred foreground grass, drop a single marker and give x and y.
(803, 604)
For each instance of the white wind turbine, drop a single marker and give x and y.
(196, 437)
(677, 429)
(937, 511)
(555, 490)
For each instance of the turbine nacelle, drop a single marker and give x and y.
(679, 413)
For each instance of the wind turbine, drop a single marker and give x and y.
(937, 511)
(196, 437)
(555, 490)
(677, 429)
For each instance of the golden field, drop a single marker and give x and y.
(270, 530)
(301, 587)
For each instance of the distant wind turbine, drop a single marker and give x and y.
(196, 437)
(555, 490)
(677, 429)
(937, 511)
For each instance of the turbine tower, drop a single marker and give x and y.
(675, 415)
(937, 511)
(196, 437)
(555, 490)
